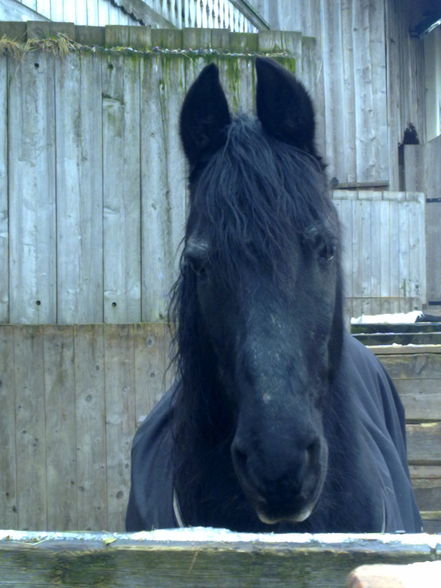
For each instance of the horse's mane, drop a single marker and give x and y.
(250, 199)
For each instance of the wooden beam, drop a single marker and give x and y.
(200, 557)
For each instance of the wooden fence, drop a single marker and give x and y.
(422, 172)
(93, 180)
(211, 557)
(384, 250)
(72, 397)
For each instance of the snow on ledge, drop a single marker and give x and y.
(387, 319)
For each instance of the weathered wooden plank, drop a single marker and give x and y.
(4, 212)
(122, 198)
(421, 398)
(90, 427)
(410, 363)
(424, 443)
(348, 138)
(150, 343)
(120, 419)
(8, 458)
(32, 190)
(163, 190)
(332, 61)
(200, 557)
(30, 420)
(79, 189)
(60, 441)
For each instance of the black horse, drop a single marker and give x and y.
(279, 419)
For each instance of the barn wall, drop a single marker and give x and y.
(93, 204)
(371, 81)
(72, 398)
(422, 171)
(93, 208)
(384, 250)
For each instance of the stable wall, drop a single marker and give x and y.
(72, 398)
(93, 179)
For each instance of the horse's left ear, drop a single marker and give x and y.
(284, 106)
(204, 116)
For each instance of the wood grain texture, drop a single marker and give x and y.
(383, 250)
(79, 190)
(197, 557)
(72, 398)
(32, 190)
(122, 199)
(4, 206)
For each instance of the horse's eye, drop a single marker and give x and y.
(198, 266)
(327, 251)
(324, 246)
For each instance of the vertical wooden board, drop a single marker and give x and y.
(376, 244)
(348, 138)
(60, 428)
(385, 258)
(30, 411)
(370, 91)
(4, 213)
(378, 117)
(90, 409)
(393, 81)
(122, 198)
(173, 75)
(8, 482)
(365, 252)
(403, 248)
(32, 190)
(79, 189)
(149, 340)
(158, 220)
(417, 248)
(332, 63)
(357, 247)
(120, 419)
(394, 236)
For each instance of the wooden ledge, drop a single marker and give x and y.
(200, 557)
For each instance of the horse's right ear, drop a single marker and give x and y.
(283, 105)
(204, 116)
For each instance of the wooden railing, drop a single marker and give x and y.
(235, 15)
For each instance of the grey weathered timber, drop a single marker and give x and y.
(105, 194)
(200, 557)
(79, 144)
(383, 250)
(122, 198)
(4, 229)
(32, 190)
(422, 172)
(372, 79)
(73, 396)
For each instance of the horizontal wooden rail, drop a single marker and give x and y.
(200, 557)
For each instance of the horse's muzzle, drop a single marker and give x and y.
(281, 488)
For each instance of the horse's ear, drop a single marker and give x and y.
(204, 116)
(284, 106)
